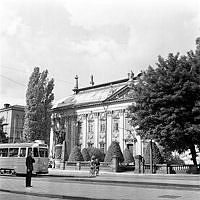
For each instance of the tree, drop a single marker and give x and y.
(156, 155)
(3, 135)
(96, 152)
(128, 157)
(39, 99)
(167, 102)
(75, 154)
(85, 154)
(114, 150)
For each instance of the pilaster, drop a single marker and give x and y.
(109, 129)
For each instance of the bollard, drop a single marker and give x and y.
(115, 164)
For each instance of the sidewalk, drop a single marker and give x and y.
(182, 180)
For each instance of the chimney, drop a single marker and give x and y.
(91, 80)
(76, 85)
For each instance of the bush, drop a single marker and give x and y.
(96, 152)
(86, 156)
(75, 154)
(157, 158)
(114, 150)
(128, 157)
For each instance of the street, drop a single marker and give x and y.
(47, 187)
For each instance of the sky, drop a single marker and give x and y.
(103, 38)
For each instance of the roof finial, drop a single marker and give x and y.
(91, 80)
(76, 84)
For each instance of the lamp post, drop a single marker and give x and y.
(151, 157)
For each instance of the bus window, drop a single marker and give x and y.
(35, 152)
(29, 151)
(22, 152)
(13, 152)
(4, 152)
(43, 152)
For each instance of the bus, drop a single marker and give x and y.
(13, 157)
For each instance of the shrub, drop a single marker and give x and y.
(157, 158)
(86, 156)
(114, 149)
(96, 152)
(75, 154)
(128, 157)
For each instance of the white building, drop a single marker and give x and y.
(13, 121)
(96, 116)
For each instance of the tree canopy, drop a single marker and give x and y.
(39, 99)
(167, 102)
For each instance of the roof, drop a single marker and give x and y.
(92, 94)
(14, 107)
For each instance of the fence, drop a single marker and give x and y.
(168, 169)
(84, 165)
(144, 168)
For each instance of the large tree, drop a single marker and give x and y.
(167, 102)
(39, 97)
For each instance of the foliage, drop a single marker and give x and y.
(168, 158)
(167, 102)
(39, 99)
(75, 154)
(128, 157)
(86, 156)
(157, 158)
(114, 150)
(96, 152)
(3, 135)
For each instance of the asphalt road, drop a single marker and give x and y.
(68, 188)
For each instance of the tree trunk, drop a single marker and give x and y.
(194, 155)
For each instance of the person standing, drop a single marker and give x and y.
(29, 168)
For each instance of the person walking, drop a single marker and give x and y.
(97, 164)
(29, 166)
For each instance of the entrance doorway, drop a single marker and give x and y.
(130, 147)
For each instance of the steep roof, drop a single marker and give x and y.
(93, 94)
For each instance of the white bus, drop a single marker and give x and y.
(13, 157)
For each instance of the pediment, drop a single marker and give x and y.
(123, 94)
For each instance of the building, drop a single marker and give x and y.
(13, 121)
(95, 116)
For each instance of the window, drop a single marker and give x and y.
(35, 152)
(115, 125)
(43, 152)
(4, 152)
(13, 152)
(102, 146)
(102, 126)
(22, 152)
(29, 150)
(90, 127)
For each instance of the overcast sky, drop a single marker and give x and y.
(106, 38)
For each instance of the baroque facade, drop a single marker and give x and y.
(95, 116)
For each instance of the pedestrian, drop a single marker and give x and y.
(29, 168)
(97, 164)
(92, 166)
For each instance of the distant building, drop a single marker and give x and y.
(95, 116)
(13, 121)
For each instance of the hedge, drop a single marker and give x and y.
(114, 150)
(75, 154)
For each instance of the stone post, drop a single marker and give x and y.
(138, 164)
(115, 164)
